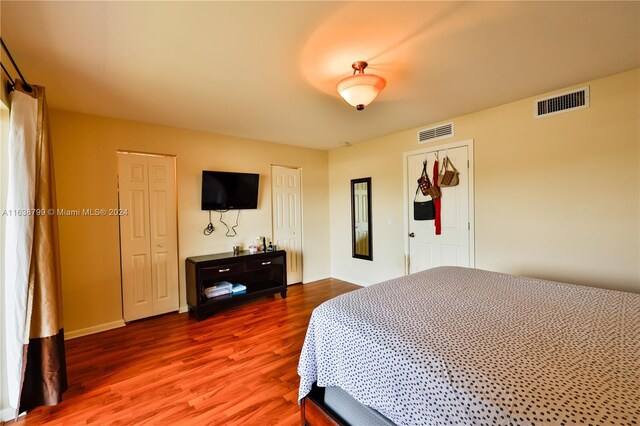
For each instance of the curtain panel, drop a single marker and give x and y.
(35, 335)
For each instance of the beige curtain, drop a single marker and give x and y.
(43, 366)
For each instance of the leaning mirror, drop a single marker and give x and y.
(362, 243)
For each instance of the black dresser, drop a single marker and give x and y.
(262, 273)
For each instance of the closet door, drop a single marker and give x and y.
(135, 241)
(286, 194)
(148, 235)
(163, 232)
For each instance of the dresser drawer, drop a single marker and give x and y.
(264, 263)
(211, 272)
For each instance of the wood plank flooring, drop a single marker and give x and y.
(236, 368)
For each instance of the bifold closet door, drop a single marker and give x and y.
(148, 235)
(164, 234)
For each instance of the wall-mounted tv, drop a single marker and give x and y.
(229, 191)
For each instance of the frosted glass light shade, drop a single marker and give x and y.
(360, 90)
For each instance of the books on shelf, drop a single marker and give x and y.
(238, 289)
(215, 293)
(218, 289)
(221, 284)
(224, 287)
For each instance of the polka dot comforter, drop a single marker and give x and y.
(458, 346)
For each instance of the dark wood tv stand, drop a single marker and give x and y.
(262, 273)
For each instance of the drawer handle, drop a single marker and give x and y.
(223, 270)
(266, 263)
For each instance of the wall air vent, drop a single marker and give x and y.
(563, 102)
(435, 133)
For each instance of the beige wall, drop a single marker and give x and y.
(85, 163)
(555, 198)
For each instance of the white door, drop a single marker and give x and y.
(148, 235)
(452, 247)
(163, 232)
(287, 225)
(135, 242)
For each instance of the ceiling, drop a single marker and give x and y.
(268, 70)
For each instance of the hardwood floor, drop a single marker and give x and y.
(237, 367)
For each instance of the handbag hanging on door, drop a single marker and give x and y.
(425, 184)
(423, 210)
(448, 177)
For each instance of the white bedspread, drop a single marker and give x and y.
(457, 346)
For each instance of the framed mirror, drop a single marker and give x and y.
(361, 236)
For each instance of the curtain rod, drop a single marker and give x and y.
(8, 75)
(26, 85)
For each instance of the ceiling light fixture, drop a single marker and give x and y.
(360, 89)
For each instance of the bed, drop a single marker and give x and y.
(459, 346)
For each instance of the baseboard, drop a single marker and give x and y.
(9, 414)
(350, 280)
(316, 278)
(341, 278)
(183, 309)
(68, 335)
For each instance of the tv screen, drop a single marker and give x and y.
(227, 191)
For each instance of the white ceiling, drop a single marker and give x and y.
(267, 70)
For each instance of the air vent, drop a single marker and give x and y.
(435, 133)
(563, 102)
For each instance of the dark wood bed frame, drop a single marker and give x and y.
(313, 412)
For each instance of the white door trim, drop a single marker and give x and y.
(439, 147)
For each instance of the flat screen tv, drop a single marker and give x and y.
(229, 191)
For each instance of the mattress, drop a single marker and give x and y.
(463, 346)
(351, 411)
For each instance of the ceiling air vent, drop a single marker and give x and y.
(563, 102)
(435, 133)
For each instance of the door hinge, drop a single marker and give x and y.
(469, 226)
(467, 164)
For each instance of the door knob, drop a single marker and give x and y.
(413, 234)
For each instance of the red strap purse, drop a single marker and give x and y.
(437, 201)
